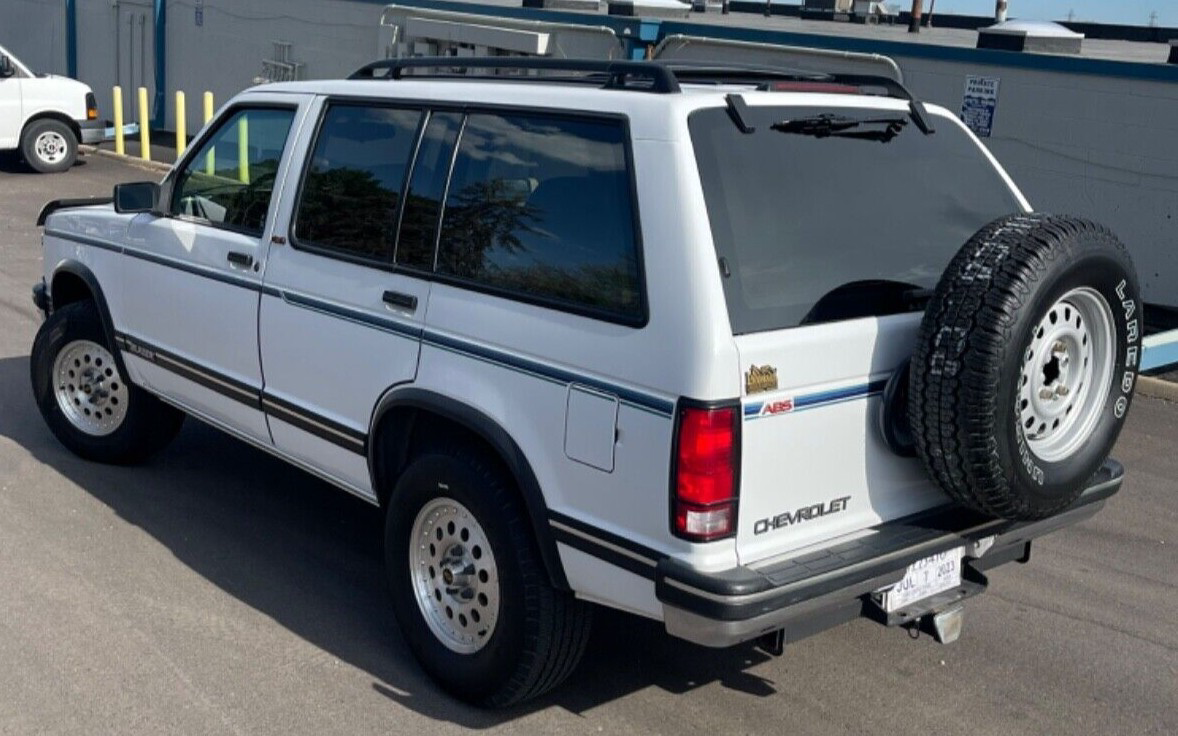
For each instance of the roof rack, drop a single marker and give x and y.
(610, 74)
(651, 76)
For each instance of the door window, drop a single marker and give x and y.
(354, 181)
(231, 178)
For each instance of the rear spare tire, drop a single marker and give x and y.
(1026, 364)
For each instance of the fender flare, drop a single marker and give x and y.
(500, 441)
(81, 271)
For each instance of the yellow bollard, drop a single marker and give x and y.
(211, 157)
(181, 125)
(120, 143)
(144, 133)
(243, 149)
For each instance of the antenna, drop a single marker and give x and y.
(1153, 19)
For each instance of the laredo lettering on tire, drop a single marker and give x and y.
(468, 588)
(1026, 364)
(87, 403)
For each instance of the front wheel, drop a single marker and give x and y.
(86, 401)
(49, 146)
(468, 588)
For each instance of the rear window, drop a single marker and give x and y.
(812, 227)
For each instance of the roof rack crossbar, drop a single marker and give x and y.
(618, 74)
(761, 76)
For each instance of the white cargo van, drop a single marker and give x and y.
(45, 116)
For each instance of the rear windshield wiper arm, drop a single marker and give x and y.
(839, 126)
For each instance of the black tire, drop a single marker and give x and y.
(49, 146)
(1008, 294)
(539, 633)
(147, 424)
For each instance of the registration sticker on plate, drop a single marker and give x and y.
(925, 578)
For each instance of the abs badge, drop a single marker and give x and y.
(759, 379)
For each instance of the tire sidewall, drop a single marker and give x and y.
(478, 675)
(1047, 485)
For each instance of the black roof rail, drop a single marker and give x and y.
(763, 77)
(610, 74)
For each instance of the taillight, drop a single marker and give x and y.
(704, 487)
(91, 106)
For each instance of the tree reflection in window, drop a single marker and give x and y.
(541, 206)
(353, 185)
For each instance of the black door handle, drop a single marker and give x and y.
(397, 299)
(240, 259)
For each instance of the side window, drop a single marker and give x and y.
(354, 180)
(541, 207)
(230, 179)
(423, 204)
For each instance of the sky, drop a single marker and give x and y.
(1132, 12)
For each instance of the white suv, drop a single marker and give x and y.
(748, 352)
(45, 116)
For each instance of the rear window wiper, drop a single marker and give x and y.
(840, 126)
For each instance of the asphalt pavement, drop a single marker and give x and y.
(216, 590)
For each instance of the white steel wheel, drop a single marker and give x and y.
(91, 394)
(51, 147)
(1066, 374)
(454, 576)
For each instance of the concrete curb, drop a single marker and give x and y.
(158, 166)
(1156, 388)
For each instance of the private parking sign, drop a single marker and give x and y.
(979, 104)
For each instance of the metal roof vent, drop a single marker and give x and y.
(1037, 36)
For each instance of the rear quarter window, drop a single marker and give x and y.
(539, 207)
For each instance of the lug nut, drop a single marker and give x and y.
(1062, 390)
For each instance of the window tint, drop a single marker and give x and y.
(541, 207)
(230, 179)
(423, 205)
(354, 179)
(817, 229)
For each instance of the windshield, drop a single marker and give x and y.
(818, 218)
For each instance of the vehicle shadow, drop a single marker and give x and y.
(309, 557)
(11, 163)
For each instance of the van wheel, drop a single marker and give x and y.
(87, 402)
(468, 588)
(49, 146)
(1026, 364)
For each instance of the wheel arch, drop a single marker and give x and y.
(59, 117)
(406, 414)
(74, 282)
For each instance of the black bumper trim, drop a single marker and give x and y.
(856, 568)
(41, 298)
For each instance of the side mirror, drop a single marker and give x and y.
(6, 69)
(139, 196)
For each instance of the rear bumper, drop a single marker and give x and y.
(807, 594)
(93, 131)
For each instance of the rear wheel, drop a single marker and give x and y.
(49, 146)
(86, 401)
(469, 591)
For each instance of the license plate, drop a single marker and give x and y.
(925, 578)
